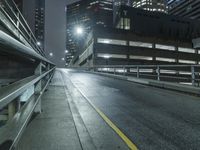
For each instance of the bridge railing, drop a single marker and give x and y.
(19, 100)
(15, 23)
(183, 74)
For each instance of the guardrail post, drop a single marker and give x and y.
(193, 75)
(124, 69)
(158, 73)
(48, 67)
(138, 72)
(11, 110)
(38, 88)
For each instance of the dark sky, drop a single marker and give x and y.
(55, 29)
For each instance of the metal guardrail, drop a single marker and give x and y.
(184, 74)
(19, 100)
(19, 95)
(16, 24)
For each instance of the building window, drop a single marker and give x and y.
(111, 41)
(168, 71)
(107, 56)
(140, 44)
(165, 47)
(140, 57)
(165, 59)
(127, 24)
(124, 23)
(142, 70)
(186, 61)
(187, 50)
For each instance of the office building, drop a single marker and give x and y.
(185, 8)
(34, 13)
(166, 40)
(39, 22)
(149, 5)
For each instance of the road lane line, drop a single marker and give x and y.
(129, 143)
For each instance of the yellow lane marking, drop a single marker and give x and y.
(129, 143)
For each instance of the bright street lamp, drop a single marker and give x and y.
(51, 54)
(79, 30)
(38, 43)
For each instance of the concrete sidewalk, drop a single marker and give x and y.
(54, 128)
(68, 122)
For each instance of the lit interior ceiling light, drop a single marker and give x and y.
(106, 41)
(106, 56)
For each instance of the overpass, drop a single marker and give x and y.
(101, 107)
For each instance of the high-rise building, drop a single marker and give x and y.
(39, 22)
(151, 5)
(184, 8)
(86, 13)
(34, 13)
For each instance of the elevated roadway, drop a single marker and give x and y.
(105, 113)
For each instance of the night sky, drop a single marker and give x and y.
(55, 29)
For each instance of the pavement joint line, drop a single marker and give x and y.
(129, 143)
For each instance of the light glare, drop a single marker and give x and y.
(79, 30)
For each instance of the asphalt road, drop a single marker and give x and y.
(153, 118)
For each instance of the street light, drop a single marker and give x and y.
(51, 54)
(38, 43)
(79, 30)
(63, 59)
(66, 51)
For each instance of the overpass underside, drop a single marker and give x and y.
(87, 111)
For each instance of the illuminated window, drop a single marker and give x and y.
(111, 41)
(124, 23)
(142, 70)
(168, 71)
(187, 50)
(165, 47)
(140, 57)
(165, 59)
(140, 44)
(107, 56)
(186, 61)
